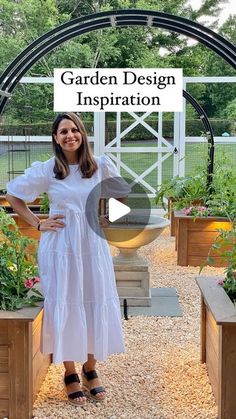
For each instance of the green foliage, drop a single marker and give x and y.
(230, 111)
(194, 126)
(184, 191)
(17, 271)
(222, 202)
(24, 21)
(225, 246)
(44, 206)
(191, 191)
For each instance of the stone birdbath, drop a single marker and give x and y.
(132, 275)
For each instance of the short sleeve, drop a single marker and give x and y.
(113, 184)
(31, 184)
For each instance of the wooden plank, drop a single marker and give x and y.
(37, 321)
(203, 331)
(211, 342)
(171, 217)
(17, 384)
(207, 225)
(4, 354)
(182, 250)
(26, 313)
(199, 260)
(217, 301)
(4, 408)
(212, 332)
(4, 385)
(3, 332)
(40, 367)
(36, 337)
(176, 234)
(212, 364)
(202, 237)
(20, 363)
(227, 384)
(172, 224)
(3, 201)
(196, 249)
(204, 248)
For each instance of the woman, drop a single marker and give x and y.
(81, 308)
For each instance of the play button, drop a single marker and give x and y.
(130, 217)
(117, 209)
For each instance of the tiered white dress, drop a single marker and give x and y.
(81, 307)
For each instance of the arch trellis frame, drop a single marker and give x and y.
(128, 17)
(120, 18)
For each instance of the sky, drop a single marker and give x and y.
(229, 8)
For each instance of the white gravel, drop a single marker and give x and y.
(160, 375)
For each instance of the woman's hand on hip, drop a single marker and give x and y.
(104, 221)
(52, 223)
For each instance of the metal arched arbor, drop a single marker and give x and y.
(120, 18)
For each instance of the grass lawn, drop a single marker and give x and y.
(195, 157)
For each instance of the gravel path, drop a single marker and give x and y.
(160, 375)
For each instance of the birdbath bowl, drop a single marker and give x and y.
(130, 233)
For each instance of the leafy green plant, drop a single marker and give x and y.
(18, 270)
(189, 192)
(222, 202)
(184, 191)
(226, 239)
(44, 206)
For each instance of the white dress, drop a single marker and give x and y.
(81, 307)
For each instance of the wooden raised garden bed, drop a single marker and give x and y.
(25, 228)
(22, 365)
(218, 344)
(3, 201)
(195, 237)
(171, 214)
(171, 217)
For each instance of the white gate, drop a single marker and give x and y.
(115, 149)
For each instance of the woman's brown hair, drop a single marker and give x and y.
(87, 163)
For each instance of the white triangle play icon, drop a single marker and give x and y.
(117, 209)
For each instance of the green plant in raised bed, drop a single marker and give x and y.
(187, 192)
(44, 205)
(184, 191)
(222, 202)
(18, 271)
(225, 246)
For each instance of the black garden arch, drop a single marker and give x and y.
(120, 18)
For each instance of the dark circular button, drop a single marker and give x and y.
(125, 227)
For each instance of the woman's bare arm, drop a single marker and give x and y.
(20, 207)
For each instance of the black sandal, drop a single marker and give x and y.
(69, 379)
(92, 393)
